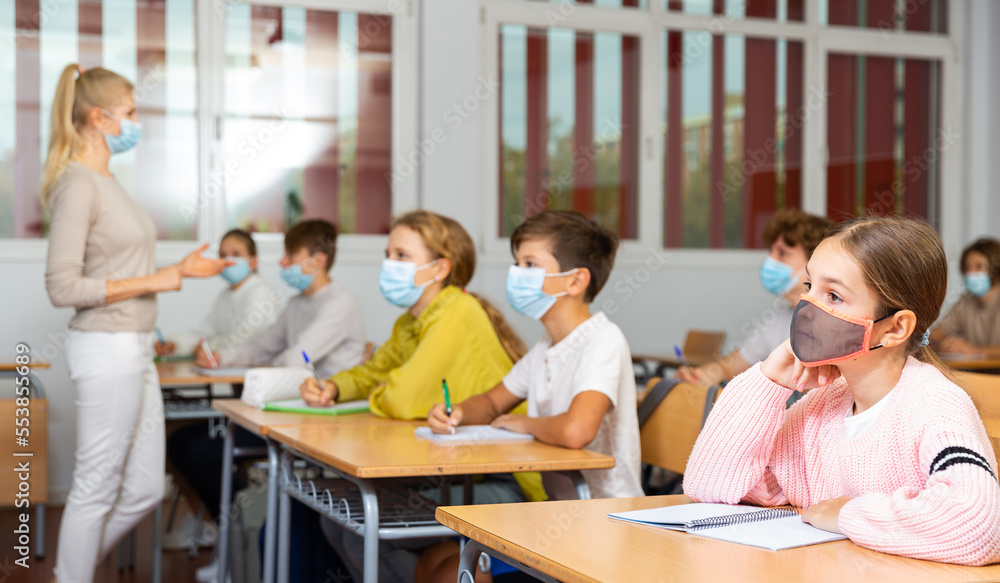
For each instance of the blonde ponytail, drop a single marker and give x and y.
(76, 94)
(64, 140)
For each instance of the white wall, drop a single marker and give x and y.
(982, 74)
(655, 297)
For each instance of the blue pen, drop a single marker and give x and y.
(313, 369)
(160, 335)
(680, 355)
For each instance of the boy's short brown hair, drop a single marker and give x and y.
(315, 235)
(796, 228)
(576, 242)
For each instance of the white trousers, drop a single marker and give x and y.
(118, 477)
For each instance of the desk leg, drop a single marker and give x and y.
(158, 543)
(40, 531)
(370, 503)
(271, 526)
(225, 508)
(468, 561)
(284, 516)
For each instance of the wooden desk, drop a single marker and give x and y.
(11, 366)
(182, 374)
(362, 453)
(256, 420)
(575, 542)
(39, 440)
(970, 362)
(348, 448)
(262, 422)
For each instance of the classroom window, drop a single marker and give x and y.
(733, 113)
(884, 140)
(568, 125)
(161, 173)
(641, 4)
(887, 15)
(308, 118)
(779, 10)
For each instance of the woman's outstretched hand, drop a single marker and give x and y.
(194, 265)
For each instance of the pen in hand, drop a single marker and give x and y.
(319, 381)
(680, 356)
(208, 352)
(447, 400)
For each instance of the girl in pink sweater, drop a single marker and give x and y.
(884, 448)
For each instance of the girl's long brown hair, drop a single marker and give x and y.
(904, 264)
(446, 238)
(76, 94)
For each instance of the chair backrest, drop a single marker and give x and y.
(668, 435)
(985, 392)
(701, 346)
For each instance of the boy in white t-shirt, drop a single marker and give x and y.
(578, 378)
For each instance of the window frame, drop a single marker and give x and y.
(212, 221)
(818, 40)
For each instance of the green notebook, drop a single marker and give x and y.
(300, 406)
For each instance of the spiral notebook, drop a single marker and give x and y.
(770, 528)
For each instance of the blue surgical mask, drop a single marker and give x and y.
(127, 139)
(776, 277)
(238, 271)
(294, 277)
(524, 290)
(396, 282)
(978, 283)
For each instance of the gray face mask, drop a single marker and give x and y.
(820, 335)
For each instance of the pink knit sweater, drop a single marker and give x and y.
(922, 476)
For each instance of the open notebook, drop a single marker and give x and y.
(470, 433)
(300, 406)
(225, 371)
(770, 528)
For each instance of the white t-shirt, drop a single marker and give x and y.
(855, 425)
(773, 330)
(593, 357)
(236, 316)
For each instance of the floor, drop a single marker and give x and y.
(177, 566)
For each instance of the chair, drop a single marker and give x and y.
(985, 392)
(669, 428)
(701, 346)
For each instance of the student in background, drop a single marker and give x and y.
(791, 236)
(577, 379)
(884, 448)
(972, 325)
(444, 333)
(323, 320)
(101, 262)
(242, 310)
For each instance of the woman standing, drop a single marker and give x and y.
(101, 262)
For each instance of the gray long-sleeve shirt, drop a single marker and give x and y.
(327, 325)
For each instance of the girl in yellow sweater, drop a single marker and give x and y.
(445, 333)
